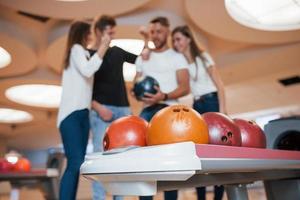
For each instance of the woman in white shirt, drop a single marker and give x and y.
(73, 115)
(205, 82)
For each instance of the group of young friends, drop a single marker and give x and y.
(94, 92)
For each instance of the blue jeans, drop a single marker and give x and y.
(98, 127)
(148, 112)
(209, 103)
(74, 131)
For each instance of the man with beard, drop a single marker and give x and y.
(169, 68)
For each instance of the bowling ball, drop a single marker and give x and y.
(5, 166)
(222, 129)
(22, 165)
(144, 84)
(252, 134)
(177, 123)
(125, 131)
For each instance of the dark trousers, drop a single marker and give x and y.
(147, 114)
(74, 131)
(208, 103)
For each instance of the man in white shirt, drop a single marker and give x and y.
(169, 68)
(165, 65)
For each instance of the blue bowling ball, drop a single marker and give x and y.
(144, 84)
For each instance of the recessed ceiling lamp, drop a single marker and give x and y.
(5, 58)
(39, 95)
(14, 116)
(129, 71)
(134, 46)
(271, 15)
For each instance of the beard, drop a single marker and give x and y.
(159, 44)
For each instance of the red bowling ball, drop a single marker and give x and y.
(22, 165)
(177, 123)
(252, 134)
(5, 166)
(222, 129)
(126, 131)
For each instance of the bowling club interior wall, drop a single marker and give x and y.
(250, 61)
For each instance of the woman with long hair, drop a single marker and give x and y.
(205, 82)
(73, 115)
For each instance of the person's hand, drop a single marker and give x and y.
(151, 99)
(132, 93)
(144, 32)
(105, 113)
(105, 40)
(146, 54)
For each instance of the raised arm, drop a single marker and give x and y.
(214, 74)
(87, 67)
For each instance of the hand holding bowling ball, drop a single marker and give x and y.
(252, 134)
(222, 129)
(144, 85)
(177, 123)
(124, 132)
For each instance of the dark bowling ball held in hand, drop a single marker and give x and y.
(144, 85)
(177, 123)
(252, 134)
(222, 129)
(124, 132)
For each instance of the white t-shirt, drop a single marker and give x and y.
(77, 82)
(163, 66)
(204, 84)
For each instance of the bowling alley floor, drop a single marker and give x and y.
(255, 192)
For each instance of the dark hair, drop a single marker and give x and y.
(194, 50)
(77, 35)
(162, 20)
(102, 21)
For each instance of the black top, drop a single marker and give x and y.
(109, 85)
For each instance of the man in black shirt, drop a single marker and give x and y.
(110, 100)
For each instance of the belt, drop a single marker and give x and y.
(208, 95)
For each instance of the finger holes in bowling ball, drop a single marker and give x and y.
(106, 142)
(185, 109)
(229, 134)
(224, 139)
(176, 110)
(251, 122)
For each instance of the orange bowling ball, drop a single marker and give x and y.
(177, 123)
(22, 165)
(125, 131)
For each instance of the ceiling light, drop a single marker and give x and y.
(14, 116)
(272, 15)
(129, 71)
(5, 58)
(134, 46)
(38, 95)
